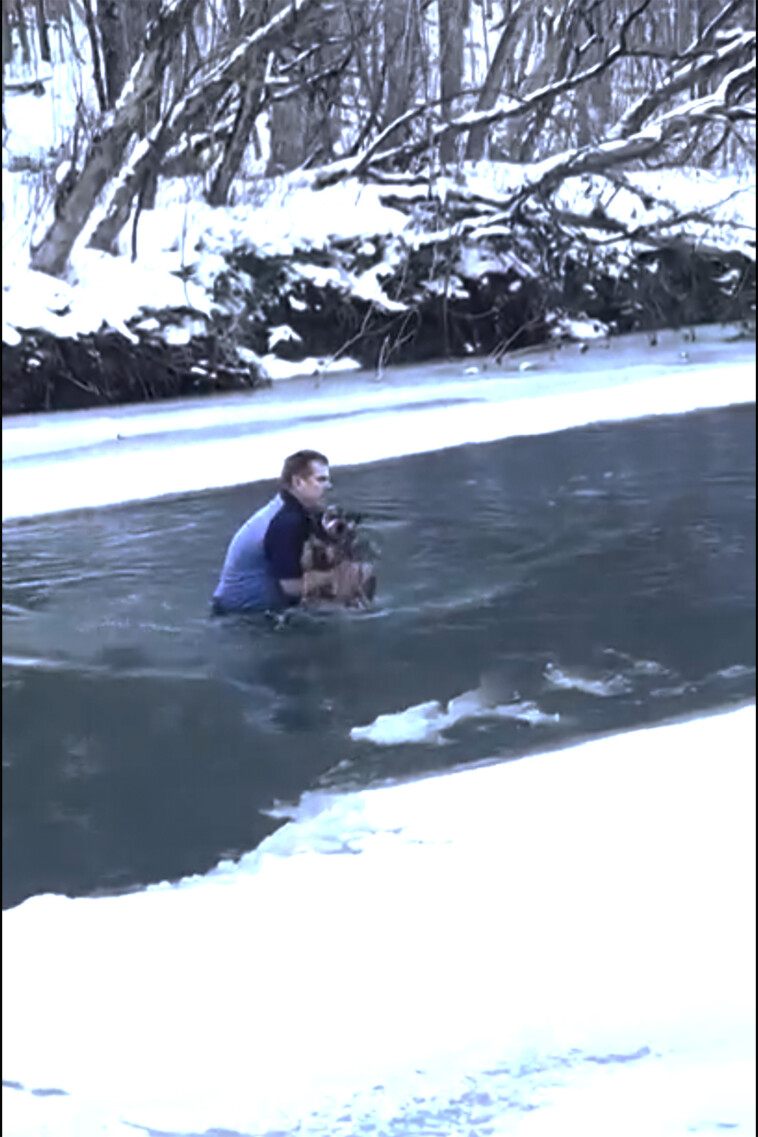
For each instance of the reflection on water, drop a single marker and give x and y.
(605, 575)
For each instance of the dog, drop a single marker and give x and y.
(335, 544)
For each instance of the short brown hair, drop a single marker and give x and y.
(300, 463)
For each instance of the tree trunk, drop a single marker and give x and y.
(7, 37)
(450, 14)
(400, 20)
(491, 88)
(290, 123)
(251, 100)
(89, 19)
(289, 136)
(104, 156)
(23, 33)
(135, 37)
(44, 40)
(113, 39)
(556, 54)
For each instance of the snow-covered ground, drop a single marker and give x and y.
(559, 945)
(183, 233)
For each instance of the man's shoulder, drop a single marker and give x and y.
(286, 534)
(289, 514)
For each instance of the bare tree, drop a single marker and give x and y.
(107, 149)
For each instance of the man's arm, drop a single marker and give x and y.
(283, 545)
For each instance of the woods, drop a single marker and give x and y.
(398, 85)
(231, 95)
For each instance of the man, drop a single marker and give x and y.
(263, 569)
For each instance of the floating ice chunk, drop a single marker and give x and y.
(421, 723)
(425, 722)
(603, 687)
(480, 704)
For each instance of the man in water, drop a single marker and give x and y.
(263, 567)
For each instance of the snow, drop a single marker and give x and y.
(285, 215)
(277, 368)
(281, 334)
(560, 944)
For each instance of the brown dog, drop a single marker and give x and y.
(336, 546)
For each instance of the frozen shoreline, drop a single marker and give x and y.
(82, 459)
(631, 852)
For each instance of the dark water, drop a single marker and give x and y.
(141, 740)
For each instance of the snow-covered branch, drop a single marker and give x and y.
(739, 48)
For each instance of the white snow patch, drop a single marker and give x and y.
(277, 368)
(582, 329)
(282, 334)
(367, 286)
(501, 932)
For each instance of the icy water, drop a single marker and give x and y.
(586, 581)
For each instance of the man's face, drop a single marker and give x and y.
(311, 489)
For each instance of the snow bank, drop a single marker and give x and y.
(183, 242)
(508, 948)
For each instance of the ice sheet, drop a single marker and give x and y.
(95, 458)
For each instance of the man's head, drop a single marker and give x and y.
(305, 475)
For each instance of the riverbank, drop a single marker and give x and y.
(83, 459)
(301, 279)
(422, 907)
